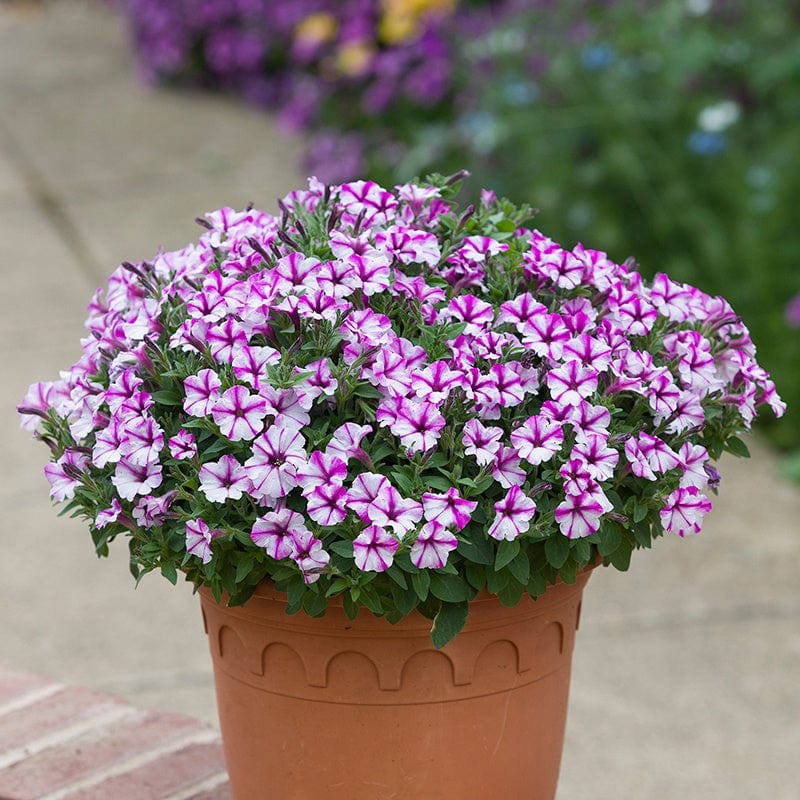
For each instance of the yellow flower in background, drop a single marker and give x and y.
(353, 58)
(316, 29)
(400, 20)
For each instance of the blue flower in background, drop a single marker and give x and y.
(706, 143)
(520, 92)
(598, 56)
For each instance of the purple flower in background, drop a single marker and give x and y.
(327, 504)
(202, 392)
(793, 312)
(131, 479)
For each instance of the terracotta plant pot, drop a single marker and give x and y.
(364, 710)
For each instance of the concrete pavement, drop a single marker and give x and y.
(686, 678)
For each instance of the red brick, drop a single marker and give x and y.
(220, 793)
(95, 751)
(62, 710)
(159, 779)
(14, 684)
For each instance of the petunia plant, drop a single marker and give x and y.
(379, 397)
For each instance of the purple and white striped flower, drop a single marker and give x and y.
(374, 549)
(514, 514)
(433, 546)
(274, 531)
(202, 392)
(223, 480)
(538, 439)
(481, 441)
(182, 445)
(199, 537)
(326, 504)
(579, 514)
(309, 554)
(449, 509)
(684, 511)
(277, 455)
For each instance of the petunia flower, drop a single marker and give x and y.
(274, 532)
(182, 445)
(346, 440)
(600, 459)
(514, 514)
(223, 480)
(239, 414)
(538, 439)
(309, 554)
(142, 440)
(389, 509)
(506, 469)
(374, 549)
(322, 469)
(579, 514)
(131, 480)
(277, 455)
(481, 441)
(327, 504)
(448, 509)
(417, 424)
(684, 510)
(433, 545)
(202, 392)
(365, 489)
(571, 382)
(199, 537)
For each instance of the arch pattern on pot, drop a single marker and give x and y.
(385, 662)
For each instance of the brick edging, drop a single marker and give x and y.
(60, 742)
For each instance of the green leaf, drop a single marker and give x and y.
(315, 603)
(437, 482)
(537, 585)
(476, 575)
(506, 552)
(244, 567)
(520, 567)
(610, 539)
(511, 594)
(403, 481)
(450, 588)
(737, 447)
(556, 548)
(170, 572)
(621, 558)
(639, 512)
(581, 551)
(396, 574)
(405, 600)
(295, 592)
(478, 551)
(168, 397)
(421, 581)
(569, 572)
(448, 622)
(342, 548)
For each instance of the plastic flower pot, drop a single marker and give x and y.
(364, 710)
